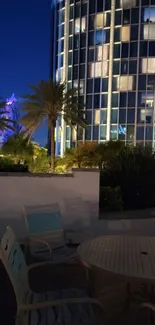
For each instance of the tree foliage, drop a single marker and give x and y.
(40, 162)
(19, 147)
(48, 102)
(133, 170)
(5, 123)
(90, 154)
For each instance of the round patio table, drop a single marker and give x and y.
(121, 255)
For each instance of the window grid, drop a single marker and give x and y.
(125, 62)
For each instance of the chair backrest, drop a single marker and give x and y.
(15, 264)
(44, 221)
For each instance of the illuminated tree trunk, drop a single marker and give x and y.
(52, 147)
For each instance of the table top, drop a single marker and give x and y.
(122, 255)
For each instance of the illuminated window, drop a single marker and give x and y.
(150, 102)
(77, 25)
(125, 33)
(149, 31)
(74, 134)
(105, 19)
(96, 116)
(75, 85)
(83, 24)
(148, 65)
(99, 21)
(146, 115)
(102, 53)
(125, 4)
(57, 75)
(105, 52)
(125, 83)
(104, 69)
(81, 85)
(98, 69)
(99, 53)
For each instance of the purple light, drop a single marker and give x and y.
(11, 100)
(11, 112)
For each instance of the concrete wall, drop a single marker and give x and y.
(134, 227)
(26, 189)
(22, 189)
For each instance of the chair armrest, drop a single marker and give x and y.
(38, 240)
(38, 264)
(59, 302)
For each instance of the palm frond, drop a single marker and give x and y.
(48, 101)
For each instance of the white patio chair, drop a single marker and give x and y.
(70, 306)
(46, 239)
(77, 213)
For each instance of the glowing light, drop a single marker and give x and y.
(121, 130)
(11, 100)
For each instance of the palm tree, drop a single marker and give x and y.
(48, 102)
(5, 123)
(74, 157)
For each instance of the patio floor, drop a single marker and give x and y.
(109, 290)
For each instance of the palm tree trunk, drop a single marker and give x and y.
(52, 148)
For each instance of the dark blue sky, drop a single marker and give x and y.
(24, 47)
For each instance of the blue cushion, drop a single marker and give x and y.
(32, 297)
(44, 221)
(68, 314)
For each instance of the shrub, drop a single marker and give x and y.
(40, 165)
(133, 170)
(18, 147)
(60, 165)
(7, 165)
(111, 199)
(92, 154)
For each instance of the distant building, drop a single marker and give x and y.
(12, 113)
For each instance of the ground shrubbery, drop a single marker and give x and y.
(110, 198)
(133, 171)
(127, 173)
(7, 165)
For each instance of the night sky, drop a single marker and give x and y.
(24, 47)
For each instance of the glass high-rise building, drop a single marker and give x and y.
(107, 49)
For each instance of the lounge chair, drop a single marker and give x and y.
(70, 306)
(46, 239)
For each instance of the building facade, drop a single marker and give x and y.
(107, 49)
(11, 112)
